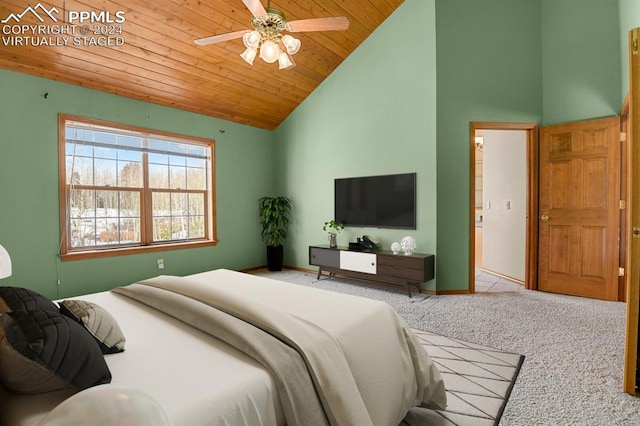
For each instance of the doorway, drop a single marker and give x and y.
(483, 208)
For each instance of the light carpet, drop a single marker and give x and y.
(573, 347)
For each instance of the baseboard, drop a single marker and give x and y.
(252, 269)
(297, 268)
(451, 292)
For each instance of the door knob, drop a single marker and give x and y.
(544, 218)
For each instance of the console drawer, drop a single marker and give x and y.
(324, 257)
(405, 267)
(359, 262)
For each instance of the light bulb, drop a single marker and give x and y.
(251, 39)
(284, 61)
(269, 52)
(249, 55)
(292, 44)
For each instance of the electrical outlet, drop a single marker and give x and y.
(160, 263)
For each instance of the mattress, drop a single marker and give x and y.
(376, 363)
(214, 385)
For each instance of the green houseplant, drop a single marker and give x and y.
(274, 218)
(333, 228)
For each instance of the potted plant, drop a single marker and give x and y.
(274, 218)
(337, 227)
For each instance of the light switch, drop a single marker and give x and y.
(160, 263)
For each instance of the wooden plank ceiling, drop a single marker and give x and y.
(158, 61)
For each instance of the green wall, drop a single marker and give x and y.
(629, 17)
(580, 60)
(488, 61)
(542, 61)
(29, 192)
(513, 61)
(376, 114)
(402, 102)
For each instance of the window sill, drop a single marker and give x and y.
(125, 251)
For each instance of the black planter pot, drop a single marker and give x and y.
(275, 256)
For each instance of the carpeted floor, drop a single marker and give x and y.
(573, 347)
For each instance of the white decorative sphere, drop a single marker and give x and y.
(408, 245)
(395, 247)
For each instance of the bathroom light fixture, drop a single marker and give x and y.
(5, 263)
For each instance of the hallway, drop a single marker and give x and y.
(488, 282)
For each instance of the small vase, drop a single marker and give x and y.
(333, 242)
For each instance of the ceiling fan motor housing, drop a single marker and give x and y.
(274, 23)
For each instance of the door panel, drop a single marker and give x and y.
(579, 208)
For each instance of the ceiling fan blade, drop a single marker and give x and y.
(255, 7)
(219, 38)
(318, 24)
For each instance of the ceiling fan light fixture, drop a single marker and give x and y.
(249, 55)
(252, 39)
(292, 44)
(267, 35)
(284, 61)
(269, 52)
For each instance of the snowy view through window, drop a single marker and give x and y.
(125, 188)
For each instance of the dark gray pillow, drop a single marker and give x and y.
(12, 298)
(98, 321)
(43, 351)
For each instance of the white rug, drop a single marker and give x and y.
(573, 347)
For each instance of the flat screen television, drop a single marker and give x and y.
(387, 201)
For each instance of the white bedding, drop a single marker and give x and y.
(196, 379)
(368, 332)
(200, 380)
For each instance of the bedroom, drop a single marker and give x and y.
(478, 61)
(326, 136)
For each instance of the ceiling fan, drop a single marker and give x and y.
(267, 36)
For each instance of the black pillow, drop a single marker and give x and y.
(13, 298)
(42, 351)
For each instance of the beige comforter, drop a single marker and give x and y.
(366, 365)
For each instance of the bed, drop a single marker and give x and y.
(229, 348)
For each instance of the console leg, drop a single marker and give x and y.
(319, 273)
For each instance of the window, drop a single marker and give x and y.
(126, 189)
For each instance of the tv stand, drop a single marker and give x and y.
(377, 266)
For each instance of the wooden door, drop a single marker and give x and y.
(632, 349)
(579, 208)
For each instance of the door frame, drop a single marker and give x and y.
(625, 146)
(531, 237)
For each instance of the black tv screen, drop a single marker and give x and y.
(387, 201)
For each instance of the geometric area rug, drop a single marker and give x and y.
(478, 380)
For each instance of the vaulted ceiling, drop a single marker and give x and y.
(151, 56)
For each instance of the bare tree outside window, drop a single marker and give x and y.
(133, 188)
